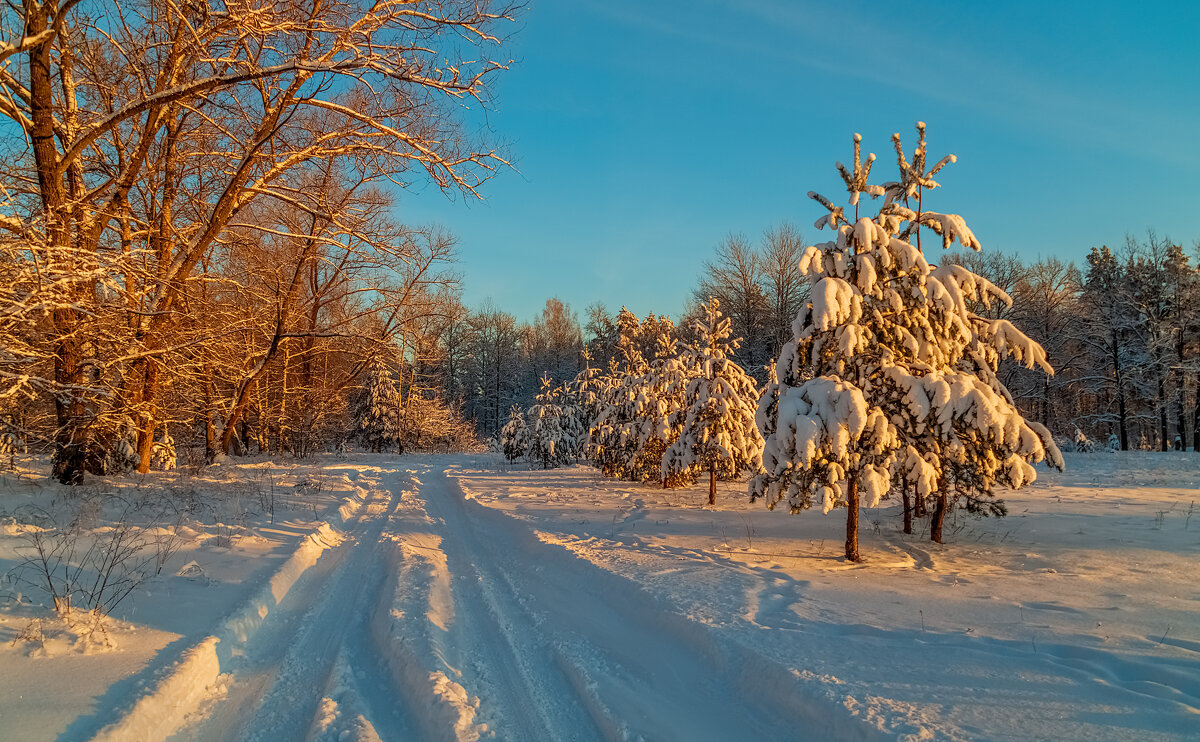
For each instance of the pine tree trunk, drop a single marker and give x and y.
(1180, 415)
(712, 485)
(281, 425)
(852, 522)
(939, 516)
(907, 509)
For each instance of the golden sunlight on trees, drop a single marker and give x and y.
(198, 175)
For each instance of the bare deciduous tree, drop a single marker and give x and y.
(150, 129)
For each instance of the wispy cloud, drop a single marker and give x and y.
(842, 43)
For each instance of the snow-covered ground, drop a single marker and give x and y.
(459, 598)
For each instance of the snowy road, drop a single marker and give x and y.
(439, 618)
(460, 598)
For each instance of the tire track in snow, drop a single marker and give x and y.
(277, 688)
(594, 647)
(439, 618)
(493, 644)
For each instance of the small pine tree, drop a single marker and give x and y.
(513, 435)
(640, 411)
(611, 443)
(718, 434)
(8, 449)
(584, 397)
(658, 404)
(121, 455)
(1114, 443)
(377, 412)
(162, 452)
(549, 441)
(1082, 443)
(891, 378)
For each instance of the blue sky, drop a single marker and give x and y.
(644, 132)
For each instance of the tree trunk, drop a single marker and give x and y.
(852, 522)
(71, 457)
(1046, 402)
(145, 441)
(1196, 418)
(712, 485)
(1180, 378)
(1163, 435)
(907, 508)
(71, 454)
(939, 516)
(1122, 414)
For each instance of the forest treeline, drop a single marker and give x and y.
(1122, 331)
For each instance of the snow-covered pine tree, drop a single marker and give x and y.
(657, 403)
(574, 422)
(639, 414)
(610, 447)
(890, 378)
(8, 449)
(377, 412)
(162, 453)
(584, 396)
(1082, 443)
(718, 434)
(120, 451)
(549, 442)
(513, 436)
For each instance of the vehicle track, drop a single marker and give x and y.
(441, 619)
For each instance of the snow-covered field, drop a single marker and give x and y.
(459, 598)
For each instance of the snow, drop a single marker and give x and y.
(451, 598)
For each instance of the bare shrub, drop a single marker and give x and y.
(79, 566)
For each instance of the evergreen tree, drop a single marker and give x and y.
(550, 441)
(891, 378)
(119, 447)
(584, 396)
(640, 412)
(718, 434)
(513, 436)
(378, 407)
(610, 445)
(657, 403)
(1108, 335)
(162, 454)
